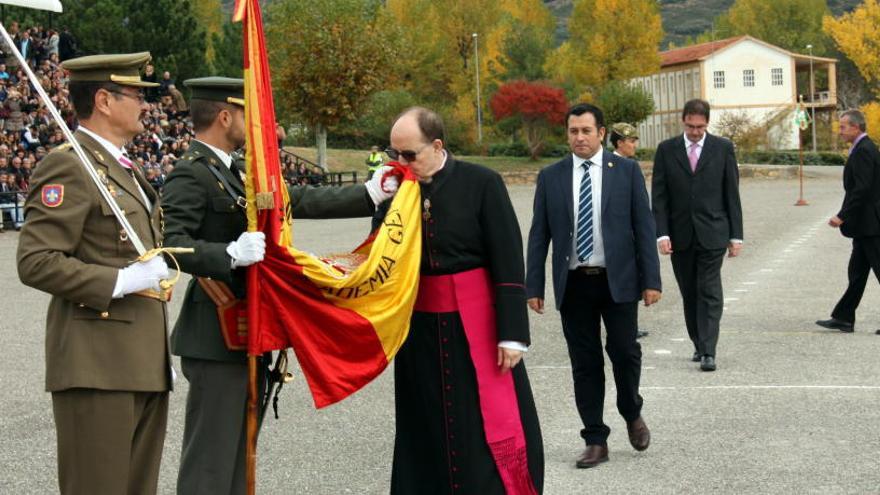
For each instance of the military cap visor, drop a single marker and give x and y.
(225, 89)
(121, 68)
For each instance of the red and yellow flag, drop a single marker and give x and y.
(345, 316)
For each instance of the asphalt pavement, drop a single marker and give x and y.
(793, 408)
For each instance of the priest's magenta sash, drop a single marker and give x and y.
(471, 294)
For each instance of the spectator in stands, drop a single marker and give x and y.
(52, 43)
(66, 45)
(151, 94)
(165, 82)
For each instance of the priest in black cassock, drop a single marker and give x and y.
(465, 417)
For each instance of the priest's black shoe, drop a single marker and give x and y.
(696, 357)
(593, 456)
(835, 324)
(641, 333)
(707, 363)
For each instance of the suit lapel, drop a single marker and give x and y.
(708, 149)
(113, 169)
(681, 155)
(608, 176)
(566, 176)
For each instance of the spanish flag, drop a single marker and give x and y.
(347, 315)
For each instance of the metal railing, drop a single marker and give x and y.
(12, 209)
(315, 175)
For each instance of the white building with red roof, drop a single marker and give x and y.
(743, 78)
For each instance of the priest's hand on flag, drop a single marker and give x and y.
(380, 187)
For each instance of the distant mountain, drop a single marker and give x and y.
(682, 18)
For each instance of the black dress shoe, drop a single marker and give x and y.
(639, 434)
(835, 324)
(707, 363)
(641, 333)
(593, 456)
(696, 357)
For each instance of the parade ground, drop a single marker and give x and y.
(793, 408)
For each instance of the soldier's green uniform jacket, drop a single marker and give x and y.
(72, 247)
(199, 213)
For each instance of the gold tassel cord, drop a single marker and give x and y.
(165, 285)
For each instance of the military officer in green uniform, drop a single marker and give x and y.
(205, 209)
(107, 361)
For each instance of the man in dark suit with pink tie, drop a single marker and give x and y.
(695, 197)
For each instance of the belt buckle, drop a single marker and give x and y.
(242, 202)
(591, 270)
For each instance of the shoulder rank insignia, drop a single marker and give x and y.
(53, 195)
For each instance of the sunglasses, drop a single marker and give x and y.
(408, 155)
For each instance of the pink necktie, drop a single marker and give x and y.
(693, 157)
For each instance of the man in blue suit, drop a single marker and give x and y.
(594, 208)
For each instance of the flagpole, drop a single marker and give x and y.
(251, 450)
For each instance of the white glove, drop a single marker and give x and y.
(248, 249)
(140, 276)
(374, 186)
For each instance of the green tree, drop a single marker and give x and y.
(210, 16)
(524, 51)
(610, 40)
(228, 54)
(168, 29)
(328, 58)
(622, 102)
(789, 24)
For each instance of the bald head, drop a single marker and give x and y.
(417, 137)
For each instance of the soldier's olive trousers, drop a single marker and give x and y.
(212, 461)
(109, 441)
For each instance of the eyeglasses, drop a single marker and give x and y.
(139, 96)
(408, 155)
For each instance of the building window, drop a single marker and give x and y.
(776, 76)
(719, 78)
(749, 78)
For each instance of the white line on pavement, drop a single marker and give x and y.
(767, 387)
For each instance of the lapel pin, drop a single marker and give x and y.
(610, 165)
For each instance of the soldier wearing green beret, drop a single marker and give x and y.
(205, 209)
(107, 361)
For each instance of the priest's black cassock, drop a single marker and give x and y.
(441, 445)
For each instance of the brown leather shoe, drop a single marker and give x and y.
(639, 434)
(593, 456)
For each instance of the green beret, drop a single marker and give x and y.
(225, 89)
(625, 130)
(120, 68)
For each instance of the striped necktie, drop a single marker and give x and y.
(585, 216)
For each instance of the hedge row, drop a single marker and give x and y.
(647, 154)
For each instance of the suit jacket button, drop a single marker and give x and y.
(105, 314)
(81, 305)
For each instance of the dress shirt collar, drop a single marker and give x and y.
(595, 159)
(111, 148)
(700, 143)
(224, 157)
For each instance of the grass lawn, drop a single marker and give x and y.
(353, 160)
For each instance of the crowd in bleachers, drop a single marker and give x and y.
(28, 132)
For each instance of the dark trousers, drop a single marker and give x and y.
(698, 273)
(109, 441)
(212, 461)
(587, 301)
(864, 258)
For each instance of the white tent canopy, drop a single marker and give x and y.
(52, 5)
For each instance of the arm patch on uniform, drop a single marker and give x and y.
(53, 195)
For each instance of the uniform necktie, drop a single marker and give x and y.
(585, 216)
(129, 167)
(693, 157)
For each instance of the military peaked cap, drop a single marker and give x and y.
(225, 89)
(120, 68)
